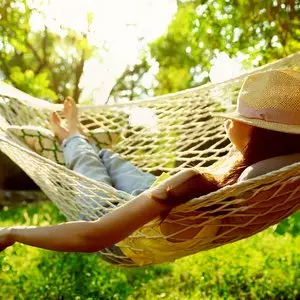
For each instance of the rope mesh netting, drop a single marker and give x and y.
(180, 133)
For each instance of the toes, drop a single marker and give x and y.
(55, 119)
(66, 106)
(69, 106)
(70, 99)
(59, 131)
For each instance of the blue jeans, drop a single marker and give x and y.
(107, 167)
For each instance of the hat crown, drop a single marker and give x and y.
(272, 89)
(270, 100)
(272, 96)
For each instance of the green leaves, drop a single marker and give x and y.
(130, 84)
(262, 31)
(290, 225)
(38, 84)
(52, 62)
(172, 79)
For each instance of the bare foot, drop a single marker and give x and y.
(71, 114)
(59, 131)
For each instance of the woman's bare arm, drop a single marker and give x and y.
(92, 236)
(88, 236)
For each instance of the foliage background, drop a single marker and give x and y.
(50, 63)
(255, 32)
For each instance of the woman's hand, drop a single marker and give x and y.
(6, 239)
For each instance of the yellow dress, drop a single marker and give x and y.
(148, 245)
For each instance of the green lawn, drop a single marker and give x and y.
(266, 266)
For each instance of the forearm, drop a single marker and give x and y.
(113, 227)
(91, 236)
(67, 237)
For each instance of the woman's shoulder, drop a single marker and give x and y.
(269, 165)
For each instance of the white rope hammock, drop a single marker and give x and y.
(182, 134)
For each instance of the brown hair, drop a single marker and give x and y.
(263, 144)
(198, 185)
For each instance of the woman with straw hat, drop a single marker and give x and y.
(265, 125)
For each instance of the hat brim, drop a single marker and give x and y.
(287, 128)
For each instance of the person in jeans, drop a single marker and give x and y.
(265, 125)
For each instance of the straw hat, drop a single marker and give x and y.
(270, 100)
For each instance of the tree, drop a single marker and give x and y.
(45, 63)
(256, 31)
(42, 62)
(129, 85)
(262, 31)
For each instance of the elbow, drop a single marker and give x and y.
(88, 245)
(92, 249)
(94, 238)
(94, 243)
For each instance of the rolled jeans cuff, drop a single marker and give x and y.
(69, 139)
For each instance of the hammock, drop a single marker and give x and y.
(183, 134)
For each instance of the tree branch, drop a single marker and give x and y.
(43, 60)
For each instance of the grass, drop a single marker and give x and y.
(265, 266)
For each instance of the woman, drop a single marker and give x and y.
(266, 125)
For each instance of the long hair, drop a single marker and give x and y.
(263, 144)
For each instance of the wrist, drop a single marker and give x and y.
(159, 198)
(12, 235)
(16, 232)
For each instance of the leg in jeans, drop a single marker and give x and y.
(81, 157)
(125, 176)
(105, 166)
(108, 168)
